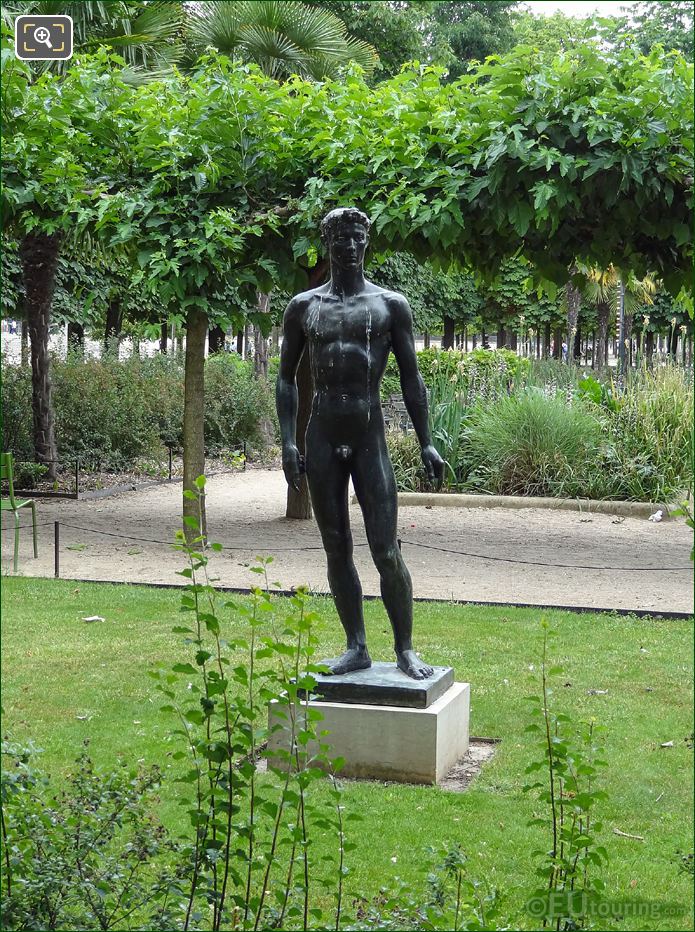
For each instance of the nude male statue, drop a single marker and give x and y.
(349, 325)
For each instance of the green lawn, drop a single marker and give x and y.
(64, 680)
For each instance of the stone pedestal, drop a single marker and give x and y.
(416, 741)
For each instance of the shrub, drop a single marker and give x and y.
(236, 403)
(111, 412)
(525, 444)
(86, 857)
(16, 411)
(404, 451)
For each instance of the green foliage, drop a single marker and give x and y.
(110, 412)
(668, 23)
(650, 438)
(474, 30)
(283, 37)
(86, 856)
(598, 392)
(546, 430)
(470, 371)
(404, 453)
(522, 444)
(432, 293)
(454, 169)
(236, 403)
(250, 863)
(571, 761)
(147, 36)
(395, 30)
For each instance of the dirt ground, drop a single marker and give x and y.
(245, 514)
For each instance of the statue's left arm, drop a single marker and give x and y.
(412, 385)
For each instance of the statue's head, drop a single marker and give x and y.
(345, 231)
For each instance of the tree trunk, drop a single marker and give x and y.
(593, 349)
(512, 340)
(603, 310)
(538, 344)
(573, 303)
(557, 344)
(475, 341)
(501, 338)
(163, 338)
(75, 337)
(673, 343)
(546, 341)
(194, 414)
(215, 340)
(629, 321)
(260, 354)
(275, 341)
(39, 255)
(448, 336)
(426, 339)
(240, 341)
(299, 503)
(112, 331)
(465, 339)
(649, 347)
(483, 339)
(24, 342)
(577, 347)
(247, 334)
(260, 344)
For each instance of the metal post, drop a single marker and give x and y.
(399, 542)
(56, 548)
(77, 477)
(170, 460)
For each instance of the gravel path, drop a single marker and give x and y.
(245, 513)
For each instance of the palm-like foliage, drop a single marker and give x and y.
(602, 287)
(601, 290)
(283, 37)
(146, 35)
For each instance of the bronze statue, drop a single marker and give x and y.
(349, 325)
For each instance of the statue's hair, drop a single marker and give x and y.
(340, 215)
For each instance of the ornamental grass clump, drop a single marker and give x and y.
(652, 433)
(525, 444)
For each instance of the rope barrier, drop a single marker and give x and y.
(410, 543)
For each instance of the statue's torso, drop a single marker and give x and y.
(349, 341)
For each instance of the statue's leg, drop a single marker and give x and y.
(328, 478)
(375, 487)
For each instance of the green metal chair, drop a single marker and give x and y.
(14, 504)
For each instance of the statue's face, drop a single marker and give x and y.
(348, 245)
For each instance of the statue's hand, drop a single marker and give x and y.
(292, 465)
(434, 465)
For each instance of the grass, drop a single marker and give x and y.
(65, 680)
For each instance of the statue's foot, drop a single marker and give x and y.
(409, 662)
(355, 658)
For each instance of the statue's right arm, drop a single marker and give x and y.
(286, 389)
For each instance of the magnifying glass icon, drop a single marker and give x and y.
(41, 34)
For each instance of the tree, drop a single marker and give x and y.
(52, 156)
(474, 30)
(281, 36)
(400, 31)
(601, 290)
(557, 32)
(668, 23)
(146, 35)
(46, 157)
